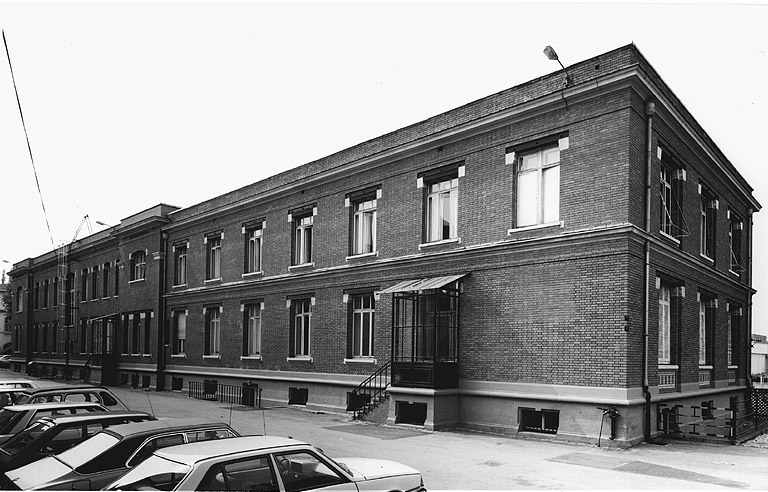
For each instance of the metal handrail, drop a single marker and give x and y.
(370, 392)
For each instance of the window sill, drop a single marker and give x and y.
(253, 274)
(135, 355)
(737, 274)
(134, 281)
(212, 356)
(362, 255)
(105, 298)
(250, 357)
(301, 358)
(668, 367)
(706, 258)
(706, 368)
(178, 286)
(178, 356)
(671, 238)
(360, 360)
(212, 280)
(534, 227)
(440, 242)
(733, 367)
(303, 265)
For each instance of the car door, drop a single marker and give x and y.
(254, 473)
(305, 470)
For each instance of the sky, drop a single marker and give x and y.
(128, 105)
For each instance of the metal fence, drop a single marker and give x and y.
(248, 394)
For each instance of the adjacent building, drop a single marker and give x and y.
(517, 264)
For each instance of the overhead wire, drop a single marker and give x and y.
(29, 146)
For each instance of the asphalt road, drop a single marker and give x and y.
(472, 461)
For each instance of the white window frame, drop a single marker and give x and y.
(180, 264)
(665, 325)
(213, 318)
(359, 351)
(442, 207)
(255, 244)
(364, 227)
(302, 326)
(213, 268)
(139, 264)
(253, 331)
(547, 208)
(179, 329)
(703, 332)
(302, 230)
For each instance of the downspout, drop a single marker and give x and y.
(748, 346)
(161, 328)
(650, 110)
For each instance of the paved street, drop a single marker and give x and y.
(463, 460)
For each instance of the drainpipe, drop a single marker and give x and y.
(749, 300)
(161, 328)
(650, 109)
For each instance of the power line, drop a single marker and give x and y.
(29, 147)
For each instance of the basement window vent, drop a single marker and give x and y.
(410, 413)
(543, 421)
(298, 396)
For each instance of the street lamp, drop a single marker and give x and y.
(552, 55)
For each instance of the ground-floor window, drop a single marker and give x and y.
(179, 332)
(544, 421)
(363, 309)
(213, 331)
(301, 327)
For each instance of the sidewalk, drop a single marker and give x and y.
(462, 460)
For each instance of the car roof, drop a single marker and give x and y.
(156, 426)
(197, 451)
(63, 388)
(55, 405)
(88, 417)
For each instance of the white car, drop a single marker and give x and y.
(263, 463)
(18, 383)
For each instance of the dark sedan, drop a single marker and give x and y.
(109, 454)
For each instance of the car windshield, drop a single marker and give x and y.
(88, 449)
(154, 473)
(20, 441)
(8, 420)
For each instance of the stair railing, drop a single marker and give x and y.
(370, 392)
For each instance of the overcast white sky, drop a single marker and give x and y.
(130, 105)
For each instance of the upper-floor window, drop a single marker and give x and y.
(538, 186)
(36, 295)
(253, 247)
(364, 225)
(735, 228)
(180, 264)
(442, 210)
(708, 216)
(84, 285)
(138, 265)
(45, 293)
(105, 279)
(213, 256)
(19, 299)
(55, 291)
(302, 236)
(179, 332)
(118, 265)
(671, 177)
(95, 283)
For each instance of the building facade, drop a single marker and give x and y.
(516, 264)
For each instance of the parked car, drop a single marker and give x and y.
(18, 383)
(8, 396)
(263, 463)
(82, 393)
(52, 435)
(5, 361)
(106, 456)
(15, 418)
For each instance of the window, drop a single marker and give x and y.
(671, 177)
(35, 337)
(253, 473)
(55, 291)
(180, 264)
(212, 331)
(361, 336)
(44, 345)
(734, 332)
(544, 420)
(538, 186)
(135, 333)
(19, 299)
(179, 332)
(315, 473)
(442, 210)
(54, 337)
(95, 283)
(707, 306)
(735, 227)
(36, 295)
(84, 285)
(83, 335)
(213, 257)
(252, 330)
(665, 323)
(301, 313)
(125, 348)
(45, 294)
(147, 331)
(364, 225)
(302, 238)
(708, 214)
(117, 277)
(105, 280)
(253, 248)
(138, 265)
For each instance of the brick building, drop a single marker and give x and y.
(513, 265)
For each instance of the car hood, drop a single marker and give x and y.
(370, 469)
(38, 473)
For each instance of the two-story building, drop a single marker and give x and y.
(516, 264)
